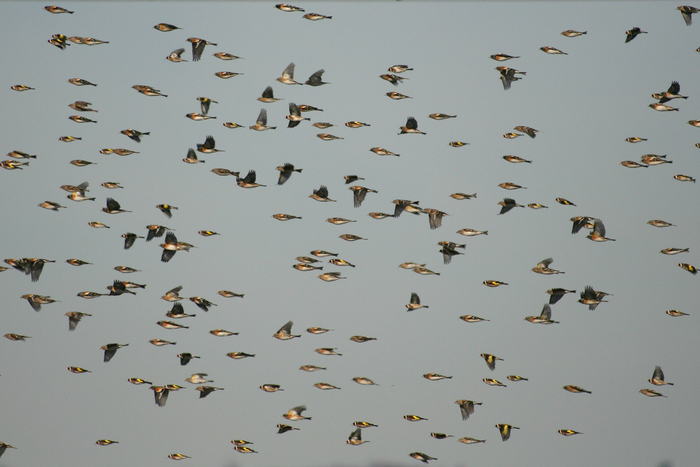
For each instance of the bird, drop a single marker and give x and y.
(502, 57)
(222, 333)
(490, 360)
(506, 430)
(413, 418)
(671, 93)
(632, 33)
(50, 205)
(287, 7)
(271, 387)
(35, 301)
(229, 294)
(356, 124)
(317, 330)
(543, 267)
(576, 389)
(651, 393)
(351, 237)
(516, 378)
(311, 368)
(591, 298)
(166, 209)
(393, 79)
(362, 339)
(448, 250)
(186, 357)
(420, 456)
(79, 119)
(340, 262)
(531, 132)
(198, 378)
(155, 231)
(198, 47)
(434, 217)
(169, 250)
(225, 56)
(338, 220)
(316, 17)
(440, 435)
(248, 181)
(268, 96)
(321, 194)
(74, 318)
(545, 316)
(510, 186)
(295, 413)
(466, 407)
(598, 234)
(328, 137)
(19, 337)
(281, 428)
(676, 313)
(361, 424)
(130, 239)
(688, 267)
(113, 207)
(261, 123)
(364, 381)
(288, 75)
(105, 442)
(192, 157)
(285, 217)
(4, 446)
(472, 319)
(569, 432)
(111, 350)
(323, 386)
(355, 438)
(135, 135)
(687, 12)
(315, 79)
(410, 127)
(381, 152)
(552, 50)
(178, 456)
(294, 116)
(360, 193)
(397, 96)
(507, 76)
(243, 449)
(161, 342)
(285, 332)
(674, 251)
(684, 178)
(202, 303)
(493, 382)
(508, 204)
(662, 108)
(415, 303)
(657, 378)
(467, 440)
(208, 146)
(328, 351)
(226, 74)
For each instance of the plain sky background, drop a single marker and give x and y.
(584, 105)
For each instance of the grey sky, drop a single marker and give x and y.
(584, 105)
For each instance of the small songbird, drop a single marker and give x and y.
(552, 50)
(111, 350)
(467, 440)
(321, 194)
(364, 381)
(161, 342)
(284, 217)
(244, 449)
(674, 251)
(287, 7)
(225, 56)
(362, 339)
(322, 386)
(322, 125)
(316, 17)
(311, 368)
(651, 393)
(134, 134)
(684, 178)
(466, 407)
(288, 75)
(268, 96)
(328, 137)
(440, 435)
(191, 157)
(355, 438)
(413, 418)
(492, 283)
(315, 79)
(420, 456)
(317, 330)
(338, 221)
(687, 12)
(472, 319)
(676, 313)
(248, 181)
(166, 209)
(198, 47)
(261, 123)
(281, 428)
(169, 250)
(208, 146)
(80, 82)
(441, 116)
(435, 376)
(294, 116)
(381, 152)
(657, 378)
(591, 298)
(493, 382)
(113, 207)
(545, 316)
(178, 456)
(222, 333)
(490, 360)
(361, 424)
(19, 337)
(328, 351)
(360, 193)
(410, 127)
(671, 93)
(543, 267)
(56, 10)
(285, 332)
(507, 76)
(434, 217)
(74, 318)
(397, 96)
(632, 33)
(569, 432)
(506, 430)
(393, 79)
(576, 389)
(598, 234)
(165, 27)
(129, 239)
(688, 267)
(340, 262)
(508, 204)
(415, 303)
(226, 74)
(105, 442)
(295, 413)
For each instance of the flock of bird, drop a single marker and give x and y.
(318, 259)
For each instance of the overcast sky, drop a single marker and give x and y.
(584, 105)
